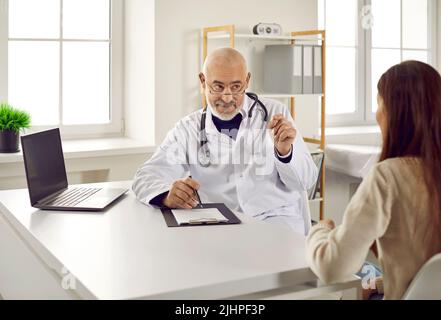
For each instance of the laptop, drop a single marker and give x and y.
(47, 180)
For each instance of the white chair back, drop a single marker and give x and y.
(427, 282)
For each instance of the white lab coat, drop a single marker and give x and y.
(244, 174)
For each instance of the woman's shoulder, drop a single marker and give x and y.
(392, 179)
(398, 163)
(398, 168)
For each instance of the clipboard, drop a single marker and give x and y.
(232, 219)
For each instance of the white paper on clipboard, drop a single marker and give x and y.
(197, 216)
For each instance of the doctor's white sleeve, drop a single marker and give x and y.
(301, 172)
(168, 164)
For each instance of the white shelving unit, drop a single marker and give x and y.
(260, 37)
(284, 95)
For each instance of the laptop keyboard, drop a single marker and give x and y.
(72, 197)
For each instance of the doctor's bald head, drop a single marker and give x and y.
(224, 79)
(224, 58)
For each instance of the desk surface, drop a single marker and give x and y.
(129, 252)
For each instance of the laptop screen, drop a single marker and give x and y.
(44, 164)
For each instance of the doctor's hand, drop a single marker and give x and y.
(182, 194)
(284, 134)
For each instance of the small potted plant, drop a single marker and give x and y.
(11, 122)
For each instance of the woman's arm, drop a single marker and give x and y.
(335, 254)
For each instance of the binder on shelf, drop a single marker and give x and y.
(308, 69)
(283, 69)
(297, 75)
(317, 83)
(317, 157)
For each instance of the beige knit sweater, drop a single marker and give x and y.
(391, 208)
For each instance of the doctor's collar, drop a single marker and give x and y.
(246, 105)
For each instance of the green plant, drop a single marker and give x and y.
(13, 119)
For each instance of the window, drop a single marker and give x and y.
(63, 62)
(365, 38)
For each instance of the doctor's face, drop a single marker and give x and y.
(224, 87)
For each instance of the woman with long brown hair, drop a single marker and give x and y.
(397, 208)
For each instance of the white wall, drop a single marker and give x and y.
(178, 44)
(139, 90)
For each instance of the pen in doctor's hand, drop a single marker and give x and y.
(197, 195)
(182, 194)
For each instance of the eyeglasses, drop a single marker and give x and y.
(218, 90)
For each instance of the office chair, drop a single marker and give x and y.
(426, 284)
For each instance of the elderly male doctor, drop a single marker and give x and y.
(261, 168)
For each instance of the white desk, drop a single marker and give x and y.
(128, 252)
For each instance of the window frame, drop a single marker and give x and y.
(363, 115)
(115, 126)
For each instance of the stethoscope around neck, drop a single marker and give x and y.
(204, 155)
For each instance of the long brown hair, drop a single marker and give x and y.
(411, 92)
